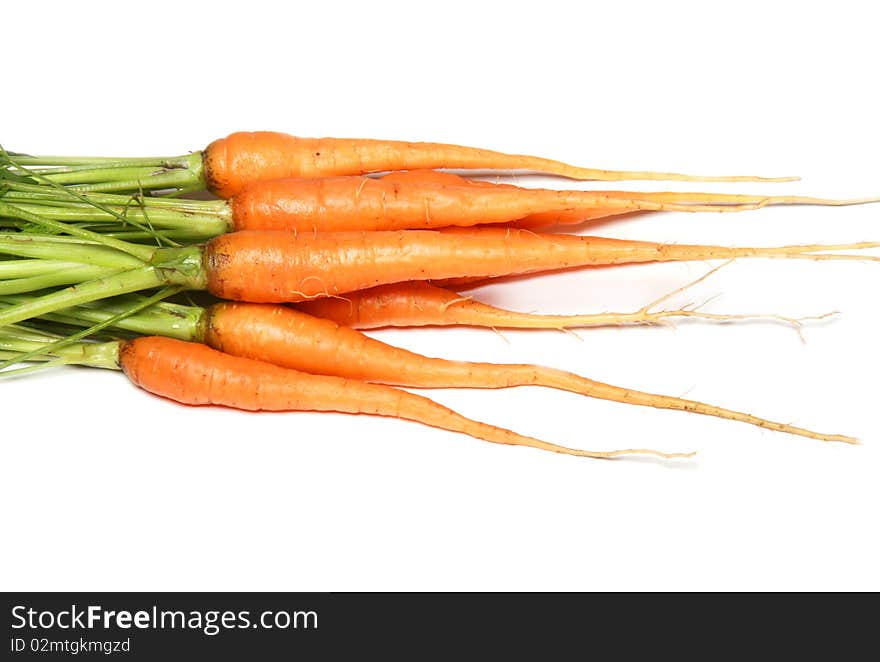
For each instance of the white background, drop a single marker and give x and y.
(104, 487)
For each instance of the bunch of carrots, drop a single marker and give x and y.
(310, 241)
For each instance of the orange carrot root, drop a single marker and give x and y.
(424, 304)
(276, 267)
(430, 200)
(295, 340)
(194, 374)
(240, 159)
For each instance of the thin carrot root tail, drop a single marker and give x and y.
(604, 391)
(698, 201)
(648, 451)
(813, 251)
(769, 425)
(605, 455)
(424, 410)
(675, 252)
(636, 175)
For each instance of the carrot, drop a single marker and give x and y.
(230, 164)
(274, 267)
(361, 203)
(295, 340)
(194, 374)
(408, 200)
(420, 303)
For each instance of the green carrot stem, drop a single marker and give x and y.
(182, 236)
(46, 194)
(98, 176)
(138, 180)
(110, 320)
(73, 211)
(13, 269)
(8, 181)
(76, 274)
(120, 303)
(198, 225)
(93, 161)
(18, 372)
(98, 355)
(172, 320)
(163, 319)
(82, 167)
(50, 320)
(14, 211)
(50, 238)
(65, 249)
(22, 332)
(112, 174)
(100, 288)
(167, 266)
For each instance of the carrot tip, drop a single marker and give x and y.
(840, 438)
(749, 178)
(649, 451)
(681, 455)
